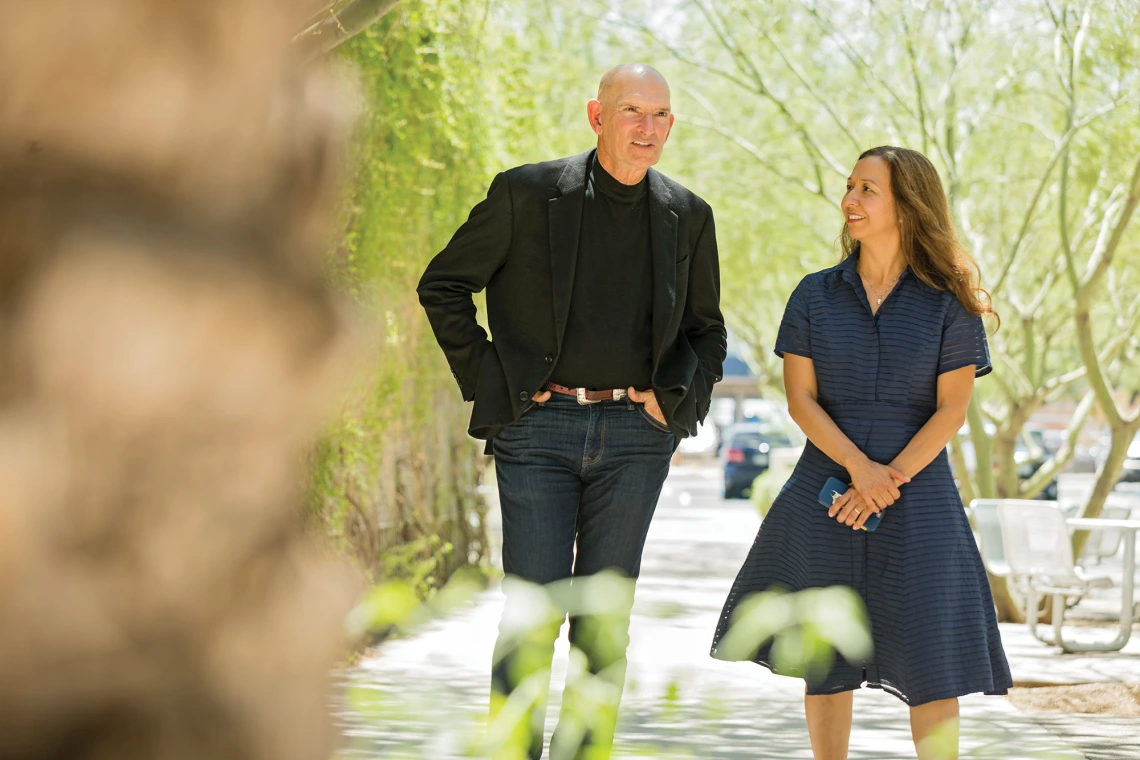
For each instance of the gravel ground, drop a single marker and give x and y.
(1086, 698)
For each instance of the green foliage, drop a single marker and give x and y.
(419, 147)
(773, 106)
(420, 560)
(805, 629)
(1028, 109)
(398, 606)
(542, 61)
(1030, 112)
(394, 478)
(765, 488)
(387, 606)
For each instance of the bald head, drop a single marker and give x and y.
(632, 118)
(625, 74)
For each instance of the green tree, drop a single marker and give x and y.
(451, 94)
(1030, 111)
(395, 478)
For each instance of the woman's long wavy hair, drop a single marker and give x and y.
(930, 246)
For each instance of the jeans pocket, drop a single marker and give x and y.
(660, 427)
(522, 422)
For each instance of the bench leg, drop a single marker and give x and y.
(1126, 596)
(1031, 599)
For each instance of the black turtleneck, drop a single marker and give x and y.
(609, 332)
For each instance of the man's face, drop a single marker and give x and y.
(632, 119)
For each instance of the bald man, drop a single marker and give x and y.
(603, 291)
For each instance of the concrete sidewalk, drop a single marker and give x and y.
(423, 696)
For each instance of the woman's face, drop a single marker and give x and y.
(868, 206)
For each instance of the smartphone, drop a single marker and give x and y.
(833, 489)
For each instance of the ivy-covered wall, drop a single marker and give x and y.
(394, 478)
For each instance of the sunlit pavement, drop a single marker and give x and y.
(424, 696)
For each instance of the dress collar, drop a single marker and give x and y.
(848, 270)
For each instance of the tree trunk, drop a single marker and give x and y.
(1106, 479)
(1008, 611)
(983, 450)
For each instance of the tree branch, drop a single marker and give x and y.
(1047, 471)
(690, 61)
(340, 26)
(749, 69)
(1006, 392)
(318, 16)
(965, 482)
(1030, 211)
(919, 98)
(757, 154)
(815, 93)
(1111, 233)
(1025, 387)
(864, 68)
(1051, 388)
(1027, 220)
(1038, 301)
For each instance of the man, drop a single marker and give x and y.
(603, 292)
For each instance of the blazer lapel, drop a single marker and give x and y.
(565, 225)
(663, 238)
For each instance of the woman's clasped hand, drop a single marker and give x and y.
(874, 487)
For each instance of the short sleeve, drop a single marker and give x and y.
(963, 341)
(794, 336)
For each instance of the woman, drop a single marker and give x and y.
(880, 355)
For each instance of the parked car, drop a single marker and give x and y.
(744, 453)
(1131, 470)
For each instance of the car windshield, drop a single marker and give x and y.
(752, 440)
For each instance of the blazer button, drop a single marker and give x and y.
(524, 396)
(549, 358)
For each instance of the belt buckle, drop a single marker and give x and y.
(581, 394)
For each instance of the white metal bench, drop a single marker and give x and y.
(1038, 549)
(1106, 543)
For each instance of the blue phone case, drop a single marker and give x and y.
(834, 488)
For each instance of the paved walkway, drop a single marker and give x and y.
(422, 697)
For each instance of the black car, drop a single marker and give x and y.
(744, 455)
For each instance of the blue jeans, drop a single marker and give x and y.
(578, 486)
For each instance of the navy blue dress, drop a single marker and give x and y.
(932, 617)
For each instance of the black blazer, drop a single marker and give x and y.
(521, 244)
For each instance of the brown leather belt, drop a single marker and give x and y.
(587, 397)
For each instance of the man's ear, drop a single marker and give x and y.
(594, 112)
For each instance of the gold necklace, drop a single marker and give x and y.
(879, 298)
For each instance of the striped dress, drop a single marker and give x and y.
(932, 617)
